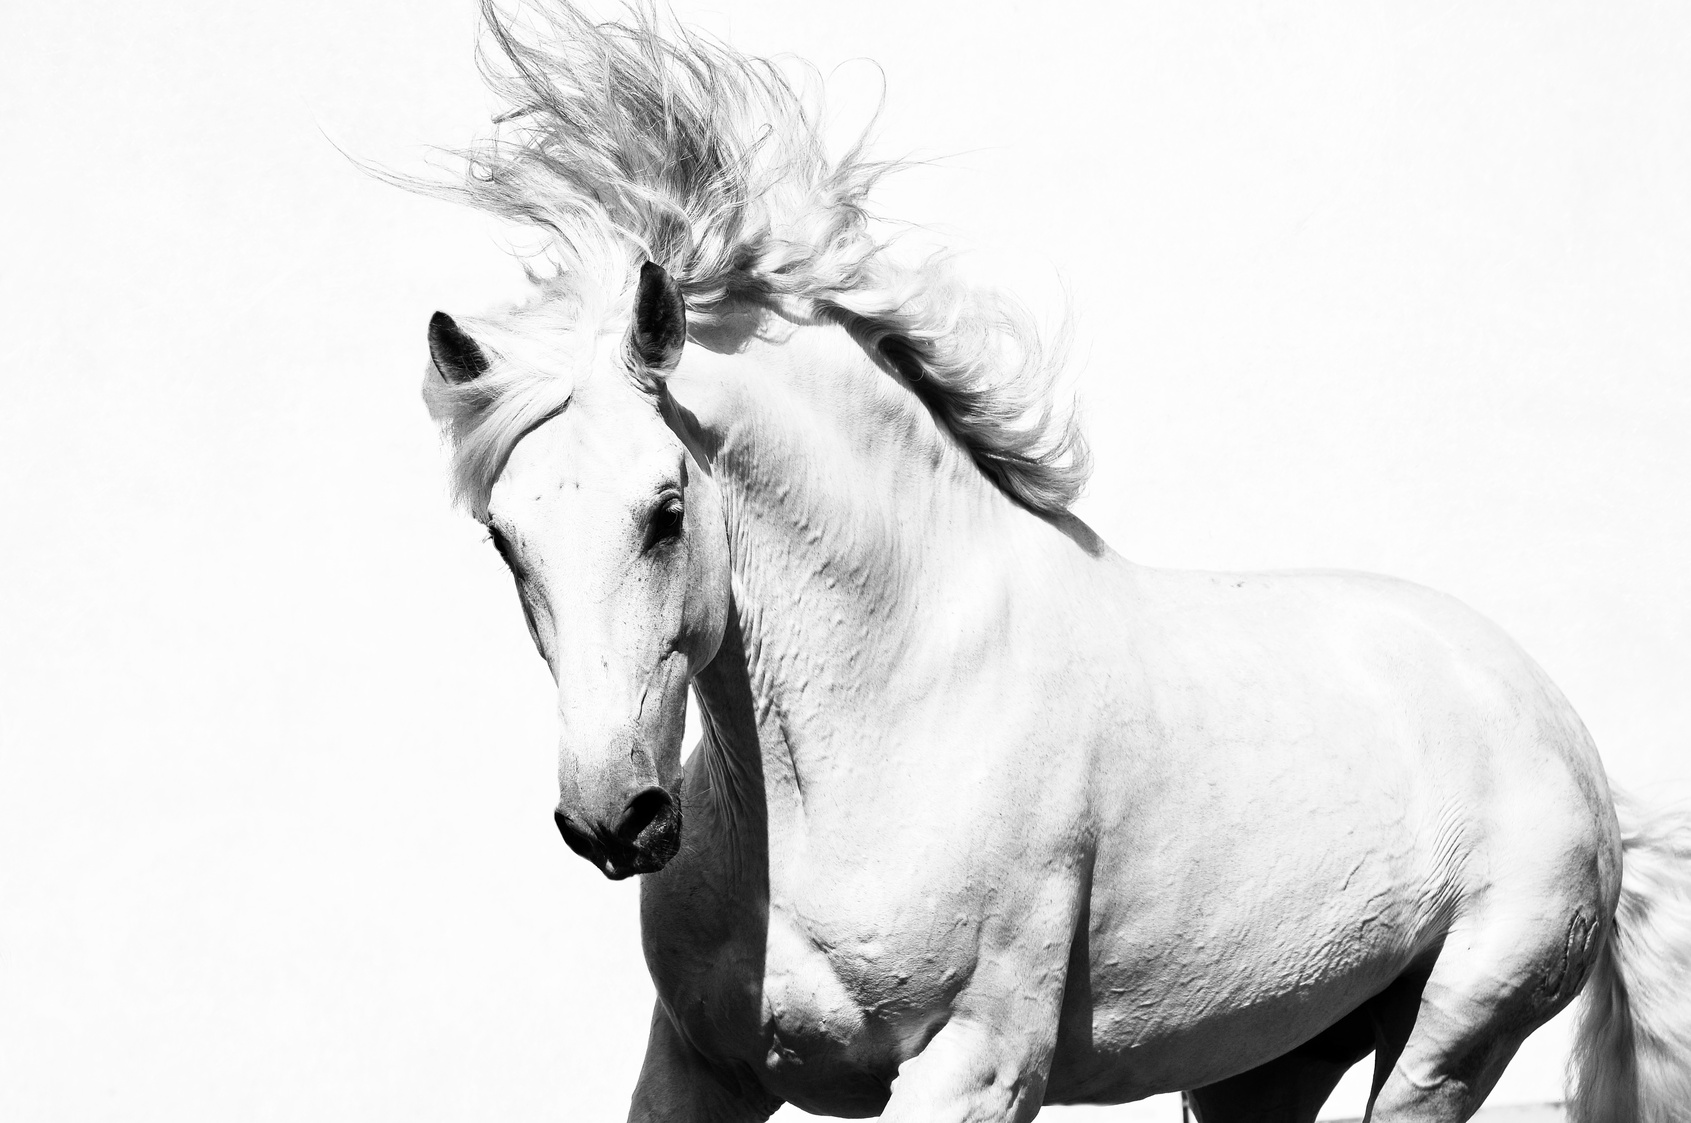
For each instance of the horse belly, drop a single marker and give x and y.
(1185, 985)
(1152, 1033)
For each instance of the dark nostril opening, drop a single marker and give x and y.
(641, 812)
(574, 837)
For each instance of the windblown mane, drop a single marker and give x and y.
(622, 143)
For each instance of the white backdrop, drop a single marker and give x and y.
(1394, 288)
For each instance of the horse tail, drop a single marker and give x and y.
(1632, 1050)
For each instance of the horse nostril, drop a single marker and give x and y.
(574, 837)
(642, 811)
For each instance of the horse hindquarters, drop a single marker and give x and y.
(1632, 1052)
(1632, 1056)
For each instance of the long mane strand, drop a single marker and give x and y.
(628, 141)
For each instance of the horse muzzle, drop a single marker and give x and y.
(644, 837)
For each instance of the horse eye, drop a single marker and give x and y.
(501, 544)
(665, 523)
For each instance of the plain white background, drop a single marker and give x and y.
(1397, 288)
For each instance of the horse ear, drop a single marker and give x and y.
(457, 357)
(660, 320)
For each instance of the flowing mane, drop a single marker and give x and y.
(624, 142)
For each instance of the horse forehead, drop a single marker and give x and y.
(592, 445)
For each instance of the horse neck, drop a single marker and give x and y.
(854, 524)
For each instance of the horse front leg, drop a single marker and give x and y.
(677, 1085)
(990, 1062)
(973, 1073)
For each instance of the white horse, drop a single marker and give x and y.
(984, 816)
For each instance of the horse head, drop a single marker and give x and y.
(614, 534)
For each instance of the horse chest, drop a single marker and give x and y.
(822, 1012)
